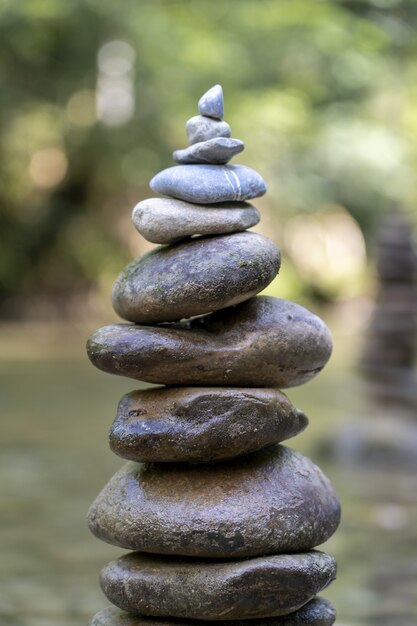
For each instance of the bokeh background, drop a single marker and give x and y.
(94, 95)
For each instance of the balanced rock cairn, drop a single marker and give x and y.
(389, 358)
(222, 520)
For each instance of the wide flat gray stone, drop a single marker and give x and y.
(211, 103)
(197, 424)
(208, 184)
(195, 277)
(317, 612)
(250, 589)
(217, 151)
(201, 128)
(167, 220)
(272, 501)
(264, 342)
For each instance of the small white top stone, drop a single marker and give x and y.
(211, 103)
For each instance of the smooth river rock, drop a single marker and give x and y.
(217, 150)
(211, 103)
(195, 277)
(197, 424)
(184, 588)
(264, 342)
(208, 184)
(269, 502)
(201, 128)
(166, 220)
(317, 612)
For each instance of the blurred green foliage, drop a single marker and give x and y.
(323, 92)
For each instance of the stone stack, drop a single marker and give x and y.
(221, 519)
(389, 356)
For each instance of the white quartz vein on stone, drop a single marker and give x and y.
(238, 190)
(206, 184)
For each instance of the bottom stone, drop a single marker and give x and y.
(187, 588)
(318, 612)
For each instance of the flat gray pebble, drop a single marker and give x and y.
(207, 184)
(201, 128)
(167, 220)
(216, 151)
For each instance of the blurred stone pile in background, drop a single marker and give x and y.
(388, 360)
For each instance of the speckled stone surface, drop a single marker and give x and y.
(167, 220)
(211, 103)
(207, 184)
(195, 277)
(317, 612)
(185, 588)
(272, 501)
(197, 424)
(218, 150)
(201, 128)
(264, 342)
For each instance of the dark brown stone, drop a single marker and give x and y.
(185, 588)
(317, 612)
(272, 501)
(264, 342)
(196, 277)
(198, 424)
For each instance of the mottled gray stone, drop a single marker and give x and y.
(269, 502)
(218, 151)
(195, 277)
(317, 612)
(264, 342)
(208, 184)
(200, 128)
(167, 220)
(254, 588)
(197, 424)
(211, 103)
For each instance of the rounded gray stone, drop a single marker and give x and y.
(166, 220)
(218, 150)
(195, 277)
(183, 588)
(269, 502)
(317, 612)
(197, 424)
(200, 128)
(208, 184)
(264, 342)
(211, 103)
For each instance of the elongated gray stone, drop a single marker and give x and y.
(200, 128)
(272, 501)
(264, 342)
(211, 103)
(167, 220)
(195, 277)
(254, 588)
(317, 612)
(208, 184)
(197, 424)
(218, 150)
